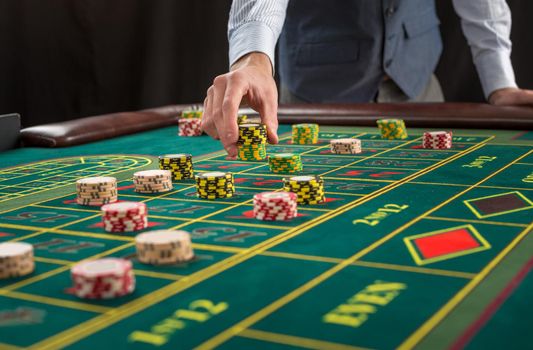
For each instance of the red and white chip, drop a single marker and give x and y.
(274, 206)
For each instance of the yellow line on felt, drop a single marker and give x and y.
(457, 298)
(476, 221)
(291, 340)
(89, 327)
(415, 269)
(55, 301)
(4, 346)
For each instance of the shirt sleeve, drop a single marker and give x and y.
(255, 26)
(487, 27)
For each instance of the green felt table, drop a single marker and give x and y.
(413, 248)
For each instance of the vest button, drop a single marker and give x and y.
(390, 11)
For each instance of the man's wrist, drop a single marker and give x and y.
(257, 59)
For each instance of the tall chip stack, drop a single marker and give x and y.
(305, 134)
(252, 141)
(309, 189)
(180, 165)
(285, 163)
(437, 140)
(124, 217)
(213, 185)
(392, 129)
(190, 122)
(103, 279)
(152, 181)
(275, 206)
(16, 259)
(345, 146)
(164, 247)
(96, 191)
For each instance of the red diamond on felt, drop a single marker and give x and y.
(446, 243)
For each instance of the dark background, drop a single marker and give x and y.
(64, 59)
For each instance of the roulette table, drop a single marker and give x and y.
(412, 248)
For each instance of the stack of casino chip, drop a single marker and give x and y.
(180, 165)
(305, 134)
(437, 140)
(189, 127)
(103, 279)
(392, 129)
(309, 189)
(164, 247)
(96, 190)
(212, 185)
(345, 146)
(152, 181)
(252, 141)
(285, 163)
(242, 118)
(16, 259)
(274, 206)
(124, 217)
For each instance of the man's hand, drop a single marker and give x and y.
(249, 81)
(512, 97)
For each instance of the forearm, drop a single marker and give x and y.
(255, 26)
(487, 26)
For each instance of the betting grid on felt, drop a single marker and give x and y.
(254, 284)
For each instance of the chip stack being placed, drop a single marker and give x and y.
(274, 206)
(392, 129)
(180, 165)
(124, 217)
(309, 189)
(152, 181)
(103, 279)
(285, 163)
(305, 134)
(164, 247)
(242, 118)
(16, 259)
(345, 146)
(252, 141)
(212, 185)
(437, 140)
(96, 190)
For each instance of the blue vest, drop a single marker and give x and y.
(340, 50)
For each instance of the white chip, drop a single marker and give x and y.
(13, 249)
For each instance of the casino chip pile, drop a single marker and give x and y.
(252, 141)
(164, 247)
(305, 134)
(285, 163)
(189, 123)
(96, 190)
(103, 279)
(242, 118)
(345, 146)
(274, 206)
(16, 259)
(180, 165)
(392, 129)
(124, 217)
(309, 189)
(152, 181)
(437, 140)
(213, 185)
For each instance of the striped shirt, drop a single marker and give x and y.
(255, 26)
